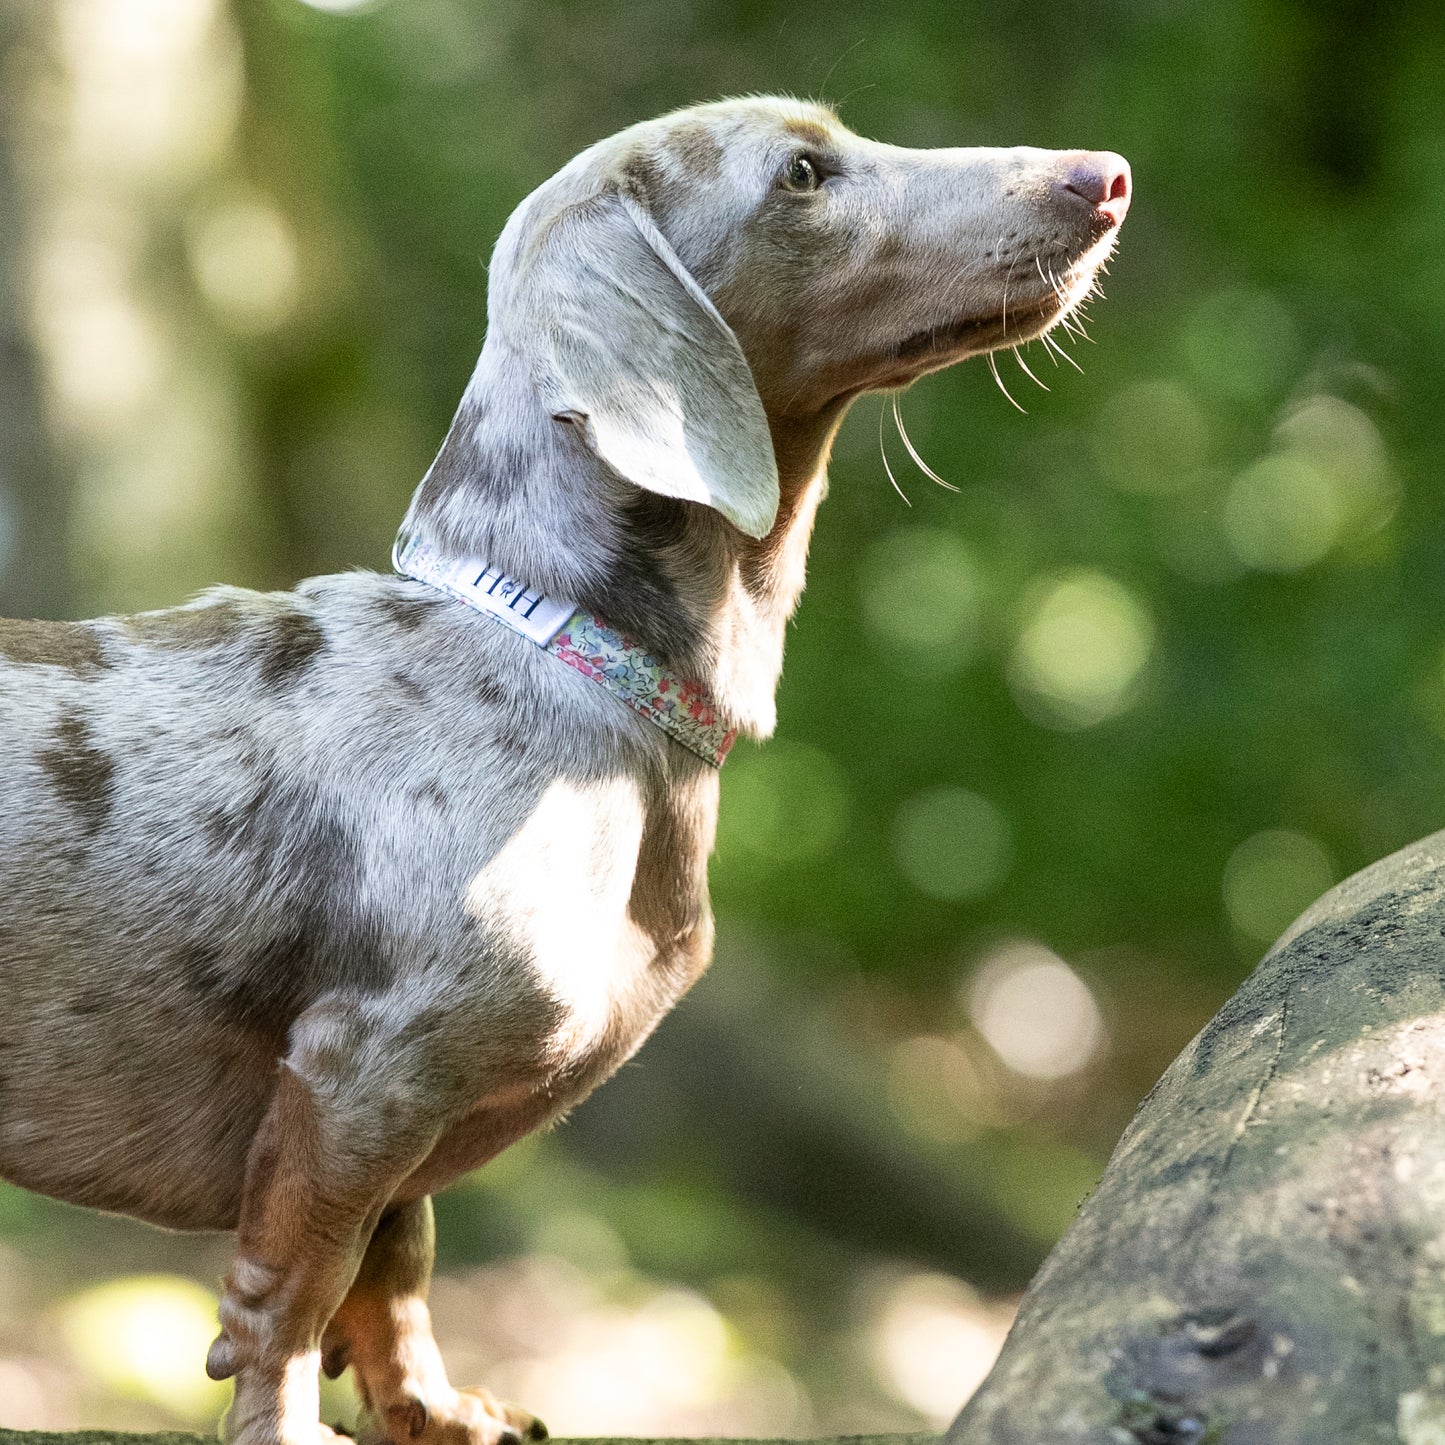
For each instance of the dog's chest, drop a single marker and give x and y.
(600, 894)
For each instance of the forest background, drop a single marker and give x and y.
(1058, 756)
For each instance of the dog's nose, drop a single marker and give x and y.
(1100, 179)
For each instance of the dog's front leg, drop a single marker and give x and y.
(353, 1114)
(383, 1330)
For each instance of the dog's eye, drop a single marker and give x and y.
(801, 175)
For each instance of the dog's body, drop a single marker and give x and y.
(347, 796)
(362, 832)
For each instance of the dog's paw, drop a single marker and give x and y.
(467, 1417)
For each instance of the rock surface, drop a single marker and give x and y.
(1263, 1262)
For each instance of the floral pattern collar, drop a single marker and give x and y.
(581, 640)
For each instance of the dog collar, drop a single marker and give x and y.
(681, 708)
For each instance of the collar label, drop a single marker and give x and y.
(535, 615)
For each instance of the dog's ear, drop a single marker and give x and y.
(624, 342)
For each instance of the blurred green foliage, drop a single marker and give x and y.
(1171, 662)
(1280, 252)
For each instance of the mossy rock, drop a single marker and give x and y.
(1263, 1262)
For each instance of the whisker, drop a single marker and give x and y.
(1073, 314)
(1075, 318)
(822, 89)
(913, 450)
(993, 367)
(1070, 322)
(883, 452)
(1067, 356)
(1052, 282)
(1018, 357)
(857, 90)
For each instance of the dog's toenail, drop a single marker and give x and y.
(220, 1359)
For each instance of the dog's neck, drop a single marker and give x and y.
(514, 487)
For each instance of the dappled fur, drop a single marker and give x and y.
(314, 900)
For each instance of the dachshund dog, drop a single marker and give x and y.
(315, 900)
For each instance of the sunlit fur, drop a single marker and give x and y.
(315, 900)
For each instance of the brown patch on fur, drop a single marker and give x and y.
(698, 149)
(809, 131)
(888, 248)
(431, 792)
(280, 638)
(641, 177)
(74, 646)
(802, 455)
(640, 590)
(404, 613)
(409, 687)
(292, 640)
(79, 771)
(463, 468)
(183, 628)
(666, 891)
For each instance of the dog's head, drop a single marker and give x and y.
(687, 288)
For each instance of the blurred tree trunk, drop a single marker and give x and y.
(33, 572)
(1264, 1261)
